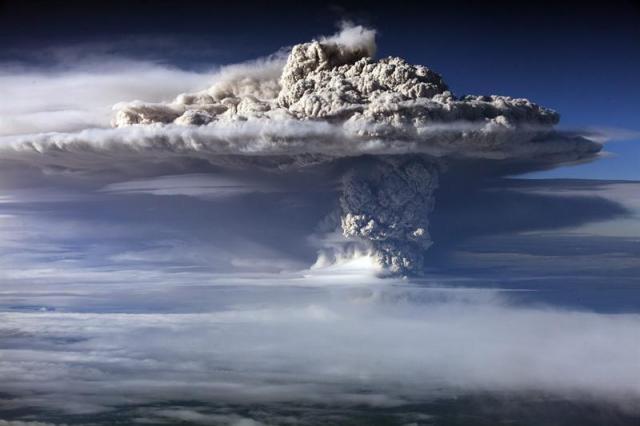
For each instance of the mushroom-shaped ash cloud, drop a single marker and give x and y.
(329, 99)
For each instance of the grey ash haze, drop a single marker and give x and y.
(319, 236)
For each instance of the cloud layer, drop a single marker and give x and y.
(370, 344)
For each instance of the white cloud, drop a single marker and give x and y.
(397, 344)
(80, 97)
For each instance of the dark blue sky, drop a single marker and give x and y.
(582, 60)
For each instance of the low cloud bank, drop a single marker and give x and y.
(370, 344)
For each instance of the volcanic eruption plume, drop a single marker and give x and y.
(329, 101)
